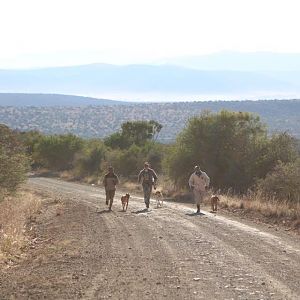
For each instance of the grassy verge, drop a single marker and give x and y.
(267, 210)
(15, 213)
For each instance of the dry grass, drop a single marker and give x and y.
(14, 215)
(131, 186)
(163, 186)
(283, 212)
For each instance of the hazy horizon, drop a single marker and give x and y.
(62, 33)
(153, 51)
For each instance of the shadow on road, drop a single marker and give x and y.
(105, 211)
(195, 214)
(140, 211)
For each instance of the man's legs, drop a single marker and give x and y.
(111, 198)
(147, 193)
(198, 199)
(107, 197)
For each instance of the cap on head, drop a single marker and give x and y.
(196, 168)
(146, 164)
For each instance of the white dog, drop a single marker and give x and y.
(159, 199)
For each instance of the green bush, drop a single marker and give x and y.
(13, 161)
(282, 183)
(126, 162)
(232, 147)
(57, 152)
(89, 161)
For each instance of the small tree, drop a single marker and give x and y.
(134, 132)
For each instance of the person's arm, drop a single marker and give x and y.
(207, 180)
(117, 180)
(140, 176)
(154, 176)
(191, 181)
(104, 181)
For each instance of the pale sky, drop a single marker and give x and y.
(38, 33)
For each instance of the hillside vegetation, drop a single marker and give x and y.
(102, 121)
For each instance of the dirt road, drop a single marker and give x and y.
(81, 250)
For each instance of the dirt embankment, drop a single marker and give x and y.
(83, 251)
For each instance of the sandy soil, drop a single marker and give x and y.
(80, 250)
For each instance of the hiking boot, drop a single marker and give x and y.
(198, 209)
(106, 202)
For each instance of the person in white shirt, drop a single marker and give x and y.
(199, 183)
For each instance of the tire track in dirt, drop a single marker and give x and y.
(243, 250)
(206, 257)
(140, 241)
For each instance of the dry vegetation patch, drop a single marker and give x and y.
(273, 211)
(15, 214)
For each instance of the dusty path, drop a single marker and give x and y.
(167, 253)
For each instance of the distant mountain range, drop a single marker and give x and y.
(237, 61)
(228, 76)
(40, 100)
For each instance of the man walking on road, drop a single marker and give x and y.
(148, 178)
(199, 182)
(110, 181)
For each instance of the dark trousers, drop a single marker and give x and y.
(147, 188)
(110, 197)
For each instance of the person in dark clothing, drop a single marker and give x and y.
(148, 178)
(110, 181)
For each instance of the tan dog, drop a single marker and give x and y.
(214, 202)
(125, 201)
(159, 199)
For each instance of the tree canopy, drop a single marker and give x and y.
(134, 132)
(233, 147)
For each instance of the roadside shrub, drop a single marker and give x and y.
(127, 162)
(13, 161)
(89, 161)
(57, 152)
(282, 183)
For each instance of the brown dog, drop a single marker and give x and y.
(214, 202)
(125, 200)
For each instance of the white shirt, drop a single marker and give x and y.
(199, 182)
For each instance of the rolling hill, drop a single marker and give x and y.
(21, 99)
(102, 120)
